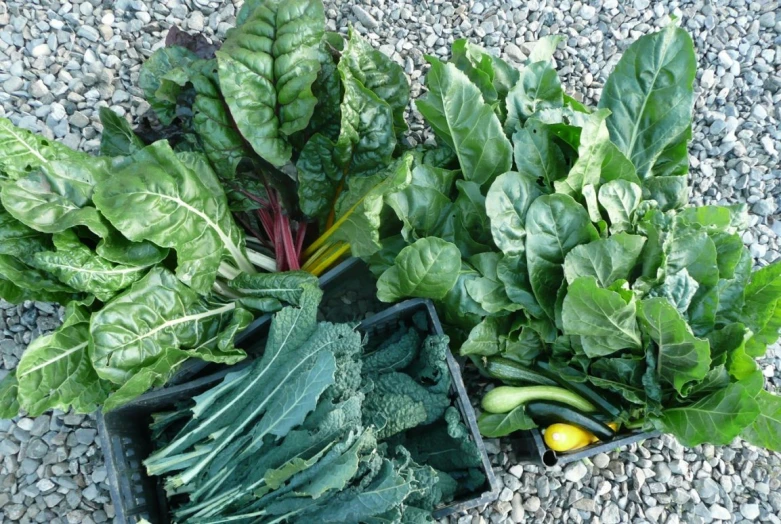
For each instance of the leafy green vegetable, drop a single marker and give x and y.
(428, 269)
(494, 425)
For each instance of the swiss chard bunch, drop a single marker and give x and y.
(561, 235)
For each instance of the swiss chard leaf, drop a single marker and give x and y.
(56, 372)
(765, 431)
(23, 152)
(176, 202)
(267, 66)
(118, 139)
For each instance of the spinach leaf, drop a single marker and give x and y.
(507, 204)
(650, 96)
(717, 418)
(537, 155)
(495, 425)
(428, 268)
(456, 111)
(555, 224)
(607, 259)
(538, 89)
(765, 431)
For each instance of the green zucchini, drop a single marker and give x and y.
(597, 398)
(504, 399)
(546, 412)
(508, 371)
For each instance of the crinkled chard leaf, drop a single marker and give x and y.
(318, 178)
(506, 204)
(378, 73)
(267, 66)
(554, 225)
(58, 196)
(280, 287)
(36, 282)
(9, 396)
(683, 359)
(650, 96)
(22, 152)
(456, 111)
(359, 208)
(55, 371)
(177, 202)
(151, 78)
(117, 139)
(77, 266)
(428, 268)
(603, 318)
(156, 314)
(18, 240)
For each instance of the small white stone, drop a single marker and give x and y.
(41, 50)
(750, 511)
(708, 79)
(725, 59)
(587, 12)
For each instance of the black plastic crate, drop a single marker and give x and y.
(125, 435)
(529, 447)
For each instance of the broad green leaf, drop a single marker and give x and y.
(58, 196)
(222, 142)
(761, 296)
(543, 49)
(483, 339)
(470, 208)
(623, 376)
(152, 76)
(286, 287)
(729, 250)
(458, 308)
(55, 371)
(359, 208)
(683, 358)
(155, 374)
(512, 272)
(18, 240)
(679, 289)
(695, 252)
(328, 89)
(607, 259)
(488, 290)
(176, 202)
(318, 178)
(442, 180)
(378, 73)
(603, 319)
(421, 210)
(725, 342)
(672, 192)
(456, 111)
(367, 137)
(428, 268)
(477, 65)
(616, 166)
(116, 248)
(493, 425)
(380, 261)
(9, 396)
(538, 88)
(30, 279)
(158, 313)
(717, 418)
(22, 152)
(78, 267)
(650, 96)
(768, 335)
(267, 67)
(674, 159)
(554, 225)
(537, 155)
(507, 205)
(765, 431)
(117, 139)
(620, 198)
(594, 146)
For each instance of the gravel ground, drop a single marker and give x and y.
(60, 61)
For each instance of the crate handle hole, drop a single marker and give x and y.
(549, 458)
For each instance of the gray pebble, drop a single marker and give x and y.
(575, 472)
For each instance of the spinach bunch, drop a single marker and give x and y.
(561, 233)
